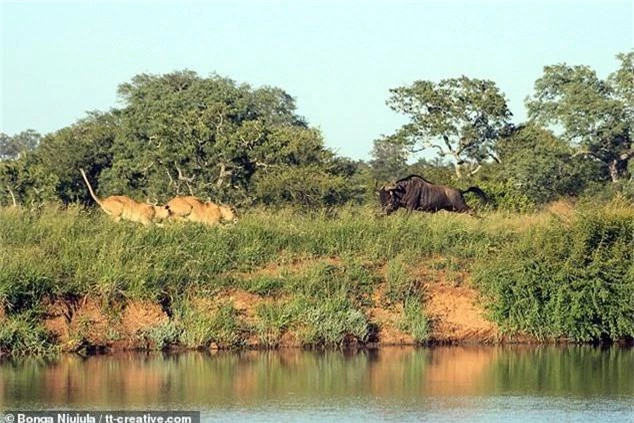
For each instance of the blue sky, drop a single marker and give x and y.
(338, 59)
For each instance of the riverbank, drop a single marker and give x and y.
(453, 316)
(71, 280)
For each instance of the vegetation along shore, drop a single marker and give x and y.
(72, 280)
(225, 222)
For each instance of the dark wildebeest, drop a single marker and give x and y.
(416, 193)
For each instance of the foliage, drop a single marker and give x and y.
(199, 329)
(22, 334)
(306, 186)
(571, 280)
(546, 273)
(274, 320)
(437, 170)
(543, 167)
(506, 195)
(594, 114)
(331, 322)
(26, 181)
(12, 147)
(180, 133)
(461, 118)
(162, 336)
(87, 145)
(414, 320)
(183, 134)
(389, 159)
(401, 286)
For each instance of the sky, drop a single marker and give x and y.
(337, 59)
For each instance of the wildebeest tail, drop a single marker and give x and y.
(477, 191)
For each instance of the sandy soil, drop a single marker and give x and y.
(454, 310)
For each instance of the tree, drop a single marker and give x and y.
(594, 115)
(389, 159)
(12, 147)
(435, 170)
(541, 166)
(460, 117)
(180, 133)
(26, 181)
(86, 144)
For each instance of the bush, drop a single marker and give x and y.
(572, 281)
(23, 335)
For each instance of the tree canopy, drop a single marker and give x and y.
(595, 115)
(461, 118)
(183, 134)
(180, 133)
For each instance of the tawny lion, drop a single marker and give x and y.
(123, 207)
(195, 210)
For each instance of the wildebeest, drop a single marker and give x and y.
(416, 193)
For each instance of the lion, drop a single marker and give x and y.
(121, 207)
(195, 210)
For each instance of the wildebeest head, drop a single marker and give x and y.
(389, 198)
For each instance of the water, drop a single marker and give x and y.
(487, 384)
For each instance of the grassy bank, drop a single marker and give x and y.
(552, 274)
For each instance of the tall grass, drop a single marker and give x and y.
(542, 273)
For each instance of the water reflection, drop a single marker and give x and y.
(287, 377)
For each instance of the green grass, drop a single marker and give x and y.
(542, 273)
(22, 334)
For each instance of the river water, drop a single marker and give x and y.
(488, 384)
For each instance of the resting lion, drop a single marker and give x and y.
(122, 207)
(195, 210)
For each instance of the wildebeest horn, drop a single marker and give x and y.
(389, 187)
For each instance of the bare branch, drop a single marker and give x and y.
(264, 165)
(447, 143)
(219, 125)
(476, 170)
(182, 177)
(15, 204)
(587, 153)
(187, 180)
(153, 138)
(170, 177)
(441, 151)
(146, 168)
(249, 143)
(458, 172)
(223, 172)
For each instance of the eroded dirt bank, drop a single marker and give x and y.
(233, 317)
(454, 312)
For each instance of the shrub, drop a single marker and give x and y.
(572, 281)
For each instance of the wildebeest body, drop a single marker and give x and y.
(416, 193)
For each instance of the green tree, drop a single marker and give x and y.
(541, 166)
(389, 159)
(180, 133)
(461, 118)
(11, 147)
(86, 144)
(26, 181)
(436, 170)
(595, 115)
